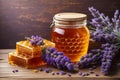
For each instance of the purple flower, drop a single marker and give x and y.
(91, 58)
(57, 73)
(53, 73)
(40, 69)
(63, 73)
(48, 70)
(69, 74)
(35, 40)
(57, 59)
(96, 74)
(14, 71)
(107, 58)
(80, 73)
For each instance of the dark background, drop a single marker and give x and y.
(20, 18)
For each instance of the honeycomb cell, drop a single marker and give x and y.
(62, 43)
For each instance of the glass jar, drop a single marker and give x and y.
(70, 34)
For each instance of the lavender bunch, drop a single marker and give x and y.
(106, 31)
(103, 56)
(107, 58)
(104, 28)
(57, 59)
(90, 59)
(100, 21)
(35, 40)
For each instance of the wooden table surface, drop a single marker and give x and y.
(28, 74)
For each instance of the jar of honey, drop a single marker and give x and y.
(70, 34)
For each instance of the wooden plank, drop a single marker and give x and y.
(28, 74)
(4, 54)
(6, 71)
(6, 51)
(3, 58)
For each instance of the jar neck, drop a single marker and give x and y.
(69, 24)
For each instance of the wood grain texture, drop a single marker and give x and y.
(28, 74)
(20, 18)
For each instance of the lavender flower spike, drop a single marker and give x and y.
(94, 12)
(116, 22)
(57, 59)
(101, 21)
(116, 14)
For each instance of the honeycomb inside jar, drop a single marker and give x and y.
(72, 41)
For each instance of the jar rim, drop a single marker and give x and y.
(69, 16)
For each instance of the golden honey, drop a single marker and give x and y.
(24, 62)
(71, 35)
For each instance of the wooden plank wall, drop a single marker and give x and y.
(20, 18)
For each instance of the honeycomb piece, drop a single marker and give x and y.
(24, 48)
(48, 43)
(14, 59)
